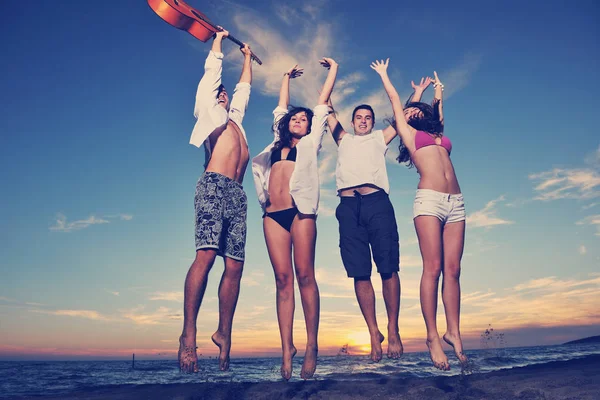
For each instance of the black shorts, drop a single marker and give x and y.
(368, 220)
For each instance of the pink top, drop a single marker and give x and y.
(423, 139)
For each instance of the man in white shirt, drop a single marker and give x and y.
(220, 202)
(367, 221)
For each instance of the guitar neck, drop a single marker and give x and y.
(234, 40)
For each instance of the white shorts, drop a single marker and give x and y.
(447, 207)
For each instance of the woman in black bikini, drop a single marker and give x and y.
(286, 177)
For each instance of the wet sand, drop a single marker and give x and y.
(575, 379)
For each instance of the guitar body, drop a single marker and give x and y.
(180, 15)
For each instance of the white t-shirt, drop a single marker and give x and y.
(361, 160)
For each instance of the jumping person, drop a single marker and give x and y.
(367, 222)
(220, 202)
(286, 177)
(439, 211)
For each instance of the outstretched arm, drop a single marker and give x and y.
(325, 94)
(336, 129)
(246, 76)
(437, 97)
(284, 92)
(419, 89)
(404, 130)
(218, 40)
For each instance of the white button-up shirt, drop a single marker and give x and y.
(210, 116)
(304, 182)
(361, 160)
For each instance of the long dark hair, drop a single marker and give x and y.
(428, 122)
(283, 126)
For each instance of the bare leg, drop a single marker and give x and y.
(304, 235)
(391, 295)
(195, 286)
(229, 291)
(454, 240)
(279, 245)
(366, 300)
(429, 232)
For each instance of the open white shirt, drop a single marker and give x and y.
(210, 116)
(361, 161)
(304, 182)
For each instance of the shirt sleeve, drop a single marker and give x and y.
(319, 125)
(206, 94)
(239, 102)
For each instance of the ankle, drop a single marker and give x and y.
(433, 337)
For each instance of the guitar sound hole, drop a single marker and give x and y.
(196, 14)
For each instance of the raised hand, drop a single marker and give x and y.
(436, 80)
(380, 66)
(425, 82)
(295, 72)
(223, 33)
(327, 62)
(246, 50)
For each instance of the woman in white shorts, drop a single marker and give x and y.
(439, 210)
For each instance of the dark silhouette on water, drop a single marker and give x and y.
(591, 339)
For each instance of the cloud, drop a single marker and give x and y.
(161, 316)
(62, 225)
(87, 314)
(486, 217)
(593, 159)
(591, 220)
(168, 296)
(560, 183)
(114, 293)
(582, 250)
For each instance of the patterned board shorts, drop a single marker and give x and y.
(221, 208)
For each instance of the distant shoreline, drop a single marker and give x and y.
(591, 339)
(574, 379)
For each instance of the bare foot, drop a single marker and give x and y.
(310, 362)
(188, 359)
(376, 351)
(456, 342)
(224, 344)
(286, 363)
(440, 361)
(395, 348)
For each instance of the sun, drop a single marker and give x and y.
(360, 341)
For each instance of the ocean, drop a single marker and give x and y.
(28, 378)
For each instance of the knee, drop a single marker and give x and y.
(284, 282)
(452, 270)
(204, 260)
(306, 280)
(234, 270)
(432, 269)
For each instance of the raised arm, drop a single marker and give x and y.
(325, 94)
(206, 93)
(218, 40)
(246, 76)
(419, 89)
(404, 130)
(437, 97)
(284, 92)
(336, 129)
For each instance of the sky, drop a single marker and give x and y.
(98, 177)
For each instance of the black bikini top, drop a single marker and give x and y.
(276, 155)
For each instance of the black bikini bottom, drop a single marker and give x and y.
(283, 217)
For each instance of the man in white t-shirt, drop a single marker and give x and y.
(367, 221)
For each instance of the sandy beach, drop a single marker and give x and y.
(575, 379)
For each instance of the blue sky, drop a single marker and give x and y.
(98, 176)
